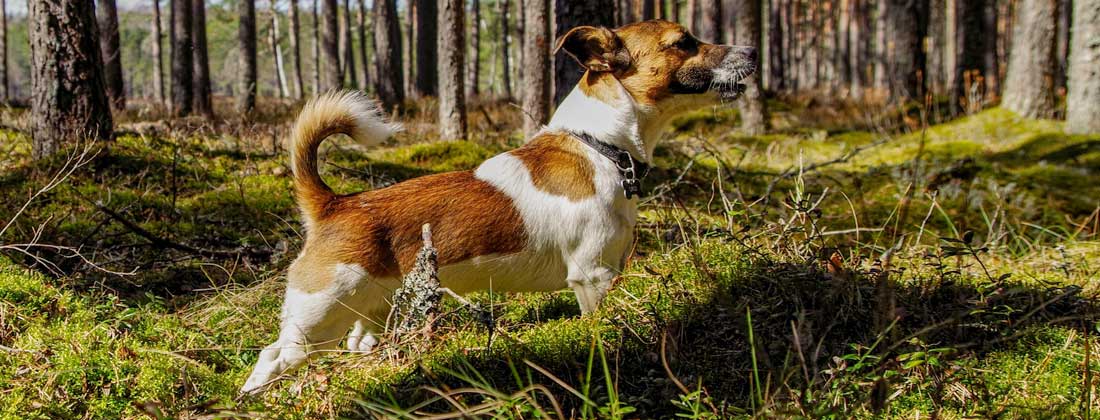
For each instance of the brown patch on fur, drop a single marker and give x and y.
(380, 230)
(558, 166)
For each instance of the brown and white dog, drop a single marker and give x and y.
(550, 214)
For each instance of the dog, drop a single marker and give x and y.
(558, 211)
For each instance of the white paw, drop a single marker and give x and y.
(362, 343)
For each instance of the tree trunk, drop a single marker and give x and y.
(855, 48)
(753, 121)
(1083, 97)
(277, 53)
(536, 81)
(452, 62)
(112, 54)
(842, 77)
(387, 52)
(905, 57)
(571, 14)
(991, 69)
(182, 67)
(349, 48)
(972, 43)
(362, 18)
(171, 43)
(316, 49)
(710, 21)
(474, 69)
(1029, 85)
(202, 102)
(727, 31)
(69, 102)
(426, 47)
(935, 70)
(672, 13)
(521, 50)
(158, 56)
(505, 50)
(246, 40)
(690, 12)
(1061, 47)
(296, 48)
(330, 46)
(408, 65)
(776, 82)
(4, 98)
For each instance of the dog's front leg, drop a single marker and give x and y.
(591, 284)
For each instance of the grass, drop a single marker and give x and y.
(822, 270)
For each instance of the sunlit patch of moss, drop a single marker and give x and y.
(440, 156)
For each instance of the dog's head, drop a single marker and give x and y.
(659, 63)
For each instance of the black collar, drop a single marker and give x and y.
(630, 169)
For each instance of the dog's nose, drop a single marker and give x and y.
(748, 52)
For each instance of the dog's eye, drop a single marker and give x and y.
(687, 43)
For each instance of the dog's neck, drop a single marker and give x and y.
(612, 117)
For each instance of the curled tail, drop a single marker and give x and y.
(341, 112)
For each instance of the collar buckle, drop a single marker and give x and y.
(627, 165)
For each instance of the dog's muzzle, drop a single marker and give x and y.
(739, 63)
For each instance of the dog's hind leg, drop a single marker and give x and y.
(312, 321)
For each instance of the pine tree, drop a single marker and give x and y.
(69, 101)
(452, 62)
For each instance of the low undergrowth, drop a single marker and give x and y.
(811, 272)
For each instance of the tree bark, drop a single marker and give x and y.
(842, 77)
(751, 105)
(182, 67)
(474, 57)
(710, 21)
(277, 53)
(991, 66)
(452, 62)
(69, 101)
(4, 98)
(112, 54)
(536, 82)
(158, 56)
(571, 14)
(690, 12)
(296, 48)
(349, 49)
(905, 56)
(426, 48)
(1061, 47)
(775, 81)
(387, 46)
(506, 50)
(316, 48)
(362, 17)
(246, 40)
(935, 70)
(1083, 97)
(202, 102)
(1029, 85)
(333, 78)
(855, 48)
(408, 65)
(972, 44)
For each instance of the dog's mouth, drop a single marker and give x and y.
(729, 77)
(732, 92)
(729, 83)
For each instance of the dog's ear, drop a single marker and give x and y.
(596, 49)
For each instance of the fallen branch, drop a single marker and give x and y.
(167, 244)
